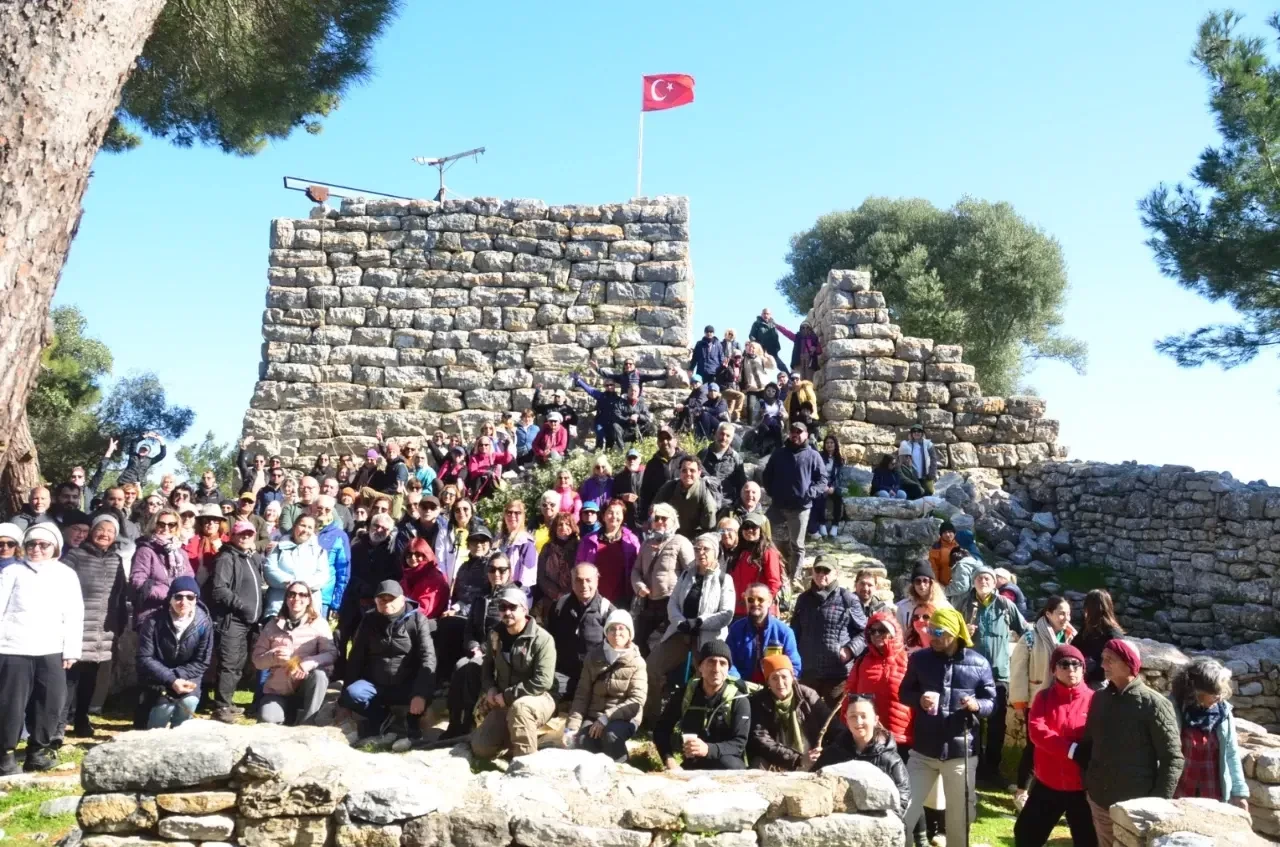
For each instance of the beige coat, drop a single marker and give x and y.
(615, 692)
(660, 565)
(312, 646)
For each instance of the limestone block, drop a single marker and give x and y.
(880, 412)
(853, 347)
(670, 251)
(963, 455)
(283, 832)
(588, 251)
(551, 249)
(1152, 817)
(633, 293)
(518, 319)
(345, 316)
(661, 316)
(343, 277)
(354, 354)
(965, 390)
(279, 297)
(490, 339)
(366, 375)
(1027, 407)
(341, 260)
(508, 378)
(868, 300)
(411, 378)
(533, 264)
(523, 279)
(467, 318)
(298, 258)
(842, 369)
(116, 813)
(521, 209)
(538, 833)
(493, 401)
(853, 281)
(442, 400)
(290, 372)
(493, 260)
(542, 230)
(373, 258)
(996, 455)
(596, 232)
(493, 225)
(949, 372)
(843, 410)
(307, 354)
(403, 298)
(412, 338)
(862, 830)
(197, 827)
(948, 353)
(581, 314)
(723, 811)
(976, 434)
(487, 296)
(678, 294)
(662, 271)
(922, 393)
(437, 320)
(344, 241)
(915, 349)
(935, 419)
(549, 314)
(880, 330)
(553, 356)
(885, 369)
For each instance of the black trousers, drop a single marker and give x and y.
(1026, 764)
(449, 637)
(82, 679)
(652, 617)
(232, 653)
(1045, 807)
(464, 693)
(34, 686)
(989, 756)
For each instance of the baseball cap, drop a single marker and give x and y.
(590, 506)
(708, 328)
(243, 526)
(429, 501)
(633, 452)
(555, 416)
(799, 425)
(711, 386)
(247, 497)
(514, 596)
(389, 586)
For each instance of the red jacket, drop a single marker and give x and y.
(546, 443)
(744, 572)
(1056, 722)
(881, 674)
(426, 584)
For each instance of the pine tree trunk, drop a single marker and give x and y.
(62, 65)
(19, 468)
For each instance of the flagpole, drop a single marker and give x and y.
(640, 155)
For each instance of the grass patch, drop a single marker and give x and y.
(20, 816)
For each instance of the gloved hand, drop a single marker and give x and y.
(685, 627)
(696, 626)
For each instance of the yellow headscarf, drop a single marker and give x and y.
(953, 622)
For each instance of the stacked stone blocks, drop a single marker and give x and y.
(421, 314)
(875, 383)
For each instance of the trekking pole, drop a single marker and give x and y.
(967, 800)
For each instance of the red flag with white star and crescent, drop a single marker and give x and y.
(666, 91)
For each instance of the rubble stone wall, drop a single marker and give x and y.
(420, 314)
(1191, 556)
(875, 383)
(270, 786)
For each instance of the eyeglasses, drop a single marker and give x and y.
(499, 570)
(507, 607)
(516, 512)
(298, 595)
(185, 597)
(1070, 665)
(413, 557)
(166, 524)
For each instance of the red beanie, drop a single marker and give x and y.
(1126, 652)
(1065, 651)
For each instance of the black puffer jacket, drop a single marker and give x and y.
(371, 563)
(723, 721)
(236, 589)
(103, 589)
(964, 674)
(881, 752)
(394, 652)
(766, 748)
(469, 583)
(825, 625)
(163, 657)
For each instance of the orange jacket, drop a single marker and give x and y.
(940, 561)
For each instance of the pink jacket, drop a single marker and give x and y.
(311, 643)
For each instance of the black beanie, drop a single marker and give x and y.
(947, 526)
(717, 649)
(922, 569)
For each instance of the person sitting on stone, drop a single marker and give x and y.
(610, 693)
(392, 662)
(922, 459)
(558, 404)
(517, 676)
(827, 511)
(553, 441)
(464, 684)
(686, 414)
(297, 650)
(576, 625)
(729, 377)
(864, 585)
(713, 412)
(607, 412)
(175, 650)
(866, 740)
(691, 497)
(699, 611)
(886, 482)
(767, 434)
(755, 560)
(484, 468)
(786, 720)
(749, 501)
(722, 467)
(634, 420)
(237, 605)
(758, 635)
(41, 638)
(829, 625)
(373, 560)
(422, 580)
(709, 722)
(940, 554)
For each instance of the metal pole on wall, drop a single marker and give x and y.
(640, 156)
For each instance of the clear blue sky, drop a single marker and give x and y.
(1071, 114)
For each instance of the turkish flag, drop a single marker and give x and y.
(666, 91)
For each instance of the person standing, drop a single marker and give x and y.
(793, 477)
(1100, 627)
(613, 550)
(708, 355)
(99, 565)
(829, 626)
(920, 457)
(1135, 749)
(237, 607)
(1213, 770)
(947, 686)
(41, 637)
(1056, 728)
(157, 562)
(664, 555)
(1030, 670)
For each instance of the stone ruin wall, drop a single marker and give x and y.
(422, 315)
(1190, 556)
(875, 383)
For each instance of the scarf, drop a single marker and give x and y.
(610, 654)
(655, 535)
(289, 624)
(1205, 720)
(180, 624)
(788, 718)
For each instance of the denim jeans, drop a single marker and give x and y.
(167, 711)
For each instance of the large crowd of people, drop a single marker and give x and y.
(664, 596)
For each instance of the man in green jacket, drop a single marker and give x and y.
(518, 672)
(1131, 740)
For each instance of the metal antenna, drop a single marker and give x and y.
(443, 164)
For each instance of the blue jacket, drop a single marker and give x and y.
(266, 495)
(708, 355)
(795, 477)
(335, 542)
(606, 404)
(953, 678)
(742, 644)
(524, 437)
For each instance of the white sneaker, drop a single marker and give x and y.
(1019, 800)
(822, 530)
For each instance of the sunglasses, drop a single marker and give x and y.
(1070, 665)
(413, 557)
(39, 545)
(756, 601)
(7, 543)
(499, 570)
(938, 632)
(185, 597)
(167, 524)
(516, 512)
(507, 607)
(920, 617)
(303, 595)
(878, 630)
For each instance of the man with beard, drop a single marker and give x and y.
(760, 634)
(207, 492)
(691, 497)
(720, 462)
(425, 526)
(634, 419)
(661, 468)
(373, 561)
(113, 505)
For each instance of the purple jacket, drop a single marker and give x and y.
(153, 569)
(615, 565)
(522, 552)
(597, 490)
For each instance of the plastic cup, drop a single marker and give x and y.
(937, 699)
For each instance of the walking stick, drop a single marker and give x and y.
(966, 778)
(827, 725)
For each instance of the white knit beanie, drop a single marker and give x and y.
(45, 532)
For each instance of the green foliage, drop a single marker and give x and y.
(237, 73)
(195, 459)
(976, 274)
(1218, 238)
(136, 406)
(20, 816)
(579, 462)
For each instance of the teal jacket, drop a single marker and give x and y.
(997, 622)
(1230, 767)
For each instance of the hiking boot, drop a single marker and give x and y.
(41, 759)
(82, 730)
(9, 764)
(226, 715)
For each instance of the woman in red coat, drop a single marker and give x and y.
(423, 581)
(879, 671)
(758, 561)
